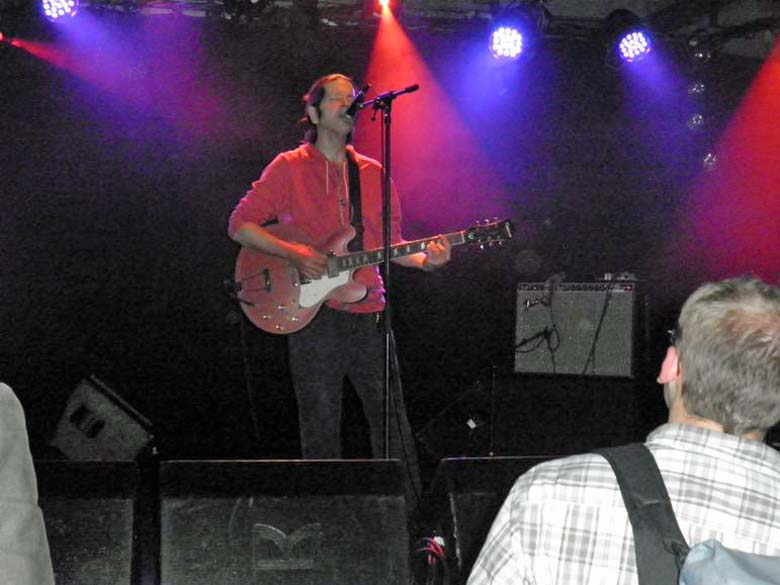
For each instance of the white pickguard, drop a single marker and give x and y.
(315, 291)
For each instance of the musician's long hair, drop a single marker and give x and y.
(313, 98)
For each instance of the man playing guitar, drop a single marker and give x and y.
(309, 187)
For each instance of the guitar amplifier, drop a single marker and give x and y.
(576, 328)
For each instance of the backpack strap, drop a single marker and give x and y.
(355, 204)
(658, 542)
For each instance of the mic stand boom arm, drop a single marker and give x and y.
(383, 101)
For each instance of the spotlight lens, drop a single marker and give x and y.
(634, 46)
(506, 43)
(54, 9)
(696, 89)
(710, 162)
(695, 122)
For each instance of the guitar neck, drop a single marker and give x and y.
(377, 255)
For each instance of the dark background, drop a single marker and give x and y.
(113, 248)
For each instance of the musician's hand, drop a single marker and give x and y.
(309, 262)
(437, 254)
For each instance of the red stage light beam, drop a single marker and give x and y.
(443, 177)
(731, 224)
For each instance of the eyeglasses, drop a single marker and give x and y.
(674, 335)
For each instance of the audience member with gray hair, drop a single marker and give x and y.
(24, 550)
(565, 522)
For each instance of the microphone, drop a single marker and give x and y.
(357, 103)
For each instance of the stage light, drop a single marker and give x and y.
(710, 162)
(699, 51)
(378, 8)
(696, 89)
(56, 9)
(634, 46)
(514, 33)
(506, 42)
(695, 122)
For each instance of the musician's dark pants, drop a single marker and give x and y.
(338, 344)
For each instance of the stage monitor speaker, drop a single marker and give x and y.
(576, 328)
(98, 425)
(89, 512)
(283, 522)
(463, 428)
(465, 497)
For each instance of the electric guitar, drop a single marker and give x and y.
(277, 299)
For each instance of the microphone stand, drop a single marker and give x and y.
(384, 102)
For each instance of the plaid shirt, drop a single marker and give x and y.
(564, 521)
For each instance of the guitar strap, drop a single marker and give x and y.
(356, 244)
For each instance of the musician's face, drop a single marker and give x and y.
(331, 116)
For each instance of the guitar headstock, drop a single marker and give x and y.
(489, 233)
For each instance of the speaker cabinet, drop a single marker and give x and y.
(576, 328)
(463, 428)
(564, 415)
(283, 522)
(465, 497)
(89, 511)
(98, 425)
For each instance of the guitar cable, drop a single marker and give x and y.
(591, 361)
(249, 388)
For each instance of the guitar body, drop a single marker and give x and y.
(276, 299)
(274, 296)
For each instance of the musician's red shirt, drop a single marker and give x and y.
(303, 188)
